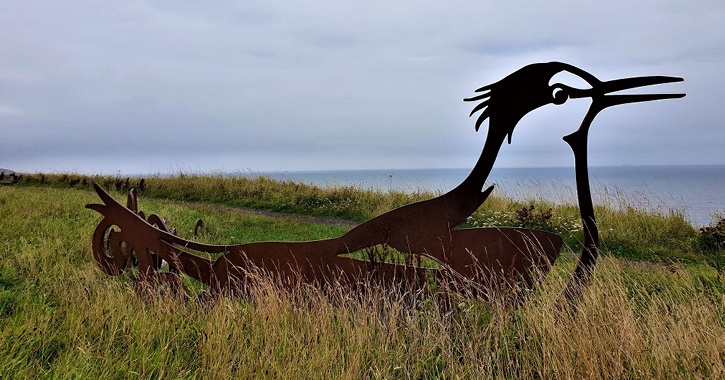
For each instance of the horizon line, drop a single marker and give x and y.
(250, 171)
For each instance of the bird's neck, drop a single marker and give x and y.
(473, 184)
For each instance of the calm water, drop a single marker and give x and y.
(699, 191)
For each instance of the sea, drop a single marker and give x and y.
(696, 191)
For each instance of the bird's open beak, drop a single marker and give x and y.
(599, 91)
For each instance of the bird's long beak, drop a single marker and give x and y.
(599, 91)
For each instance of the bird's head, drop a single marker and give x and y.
(505, 102)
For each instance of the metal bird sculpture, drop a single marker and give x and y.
(491, 256)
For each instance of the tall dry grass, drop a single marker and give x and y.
(61, 317)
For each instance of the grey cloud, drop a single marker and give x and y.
(495, 48)
(272, 85)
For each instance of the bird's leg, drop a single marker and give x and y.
(590, 248)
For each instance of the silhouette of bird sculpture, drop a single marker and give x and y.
(493, 255)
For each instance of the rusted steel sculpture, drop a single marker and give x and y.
(490, 256)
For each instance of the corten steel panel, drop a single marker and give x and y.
(476, 253)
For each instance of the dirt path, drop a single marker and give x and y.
(271, 214)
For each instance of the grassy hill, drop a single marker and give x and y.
(61, 317)
(626, 231)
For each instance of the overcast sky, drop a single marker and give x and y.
(162, 86)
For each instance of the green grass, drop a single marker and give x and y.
(61, 317)
(261, 193)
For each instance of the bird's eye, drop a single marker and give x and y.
(559, 96)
